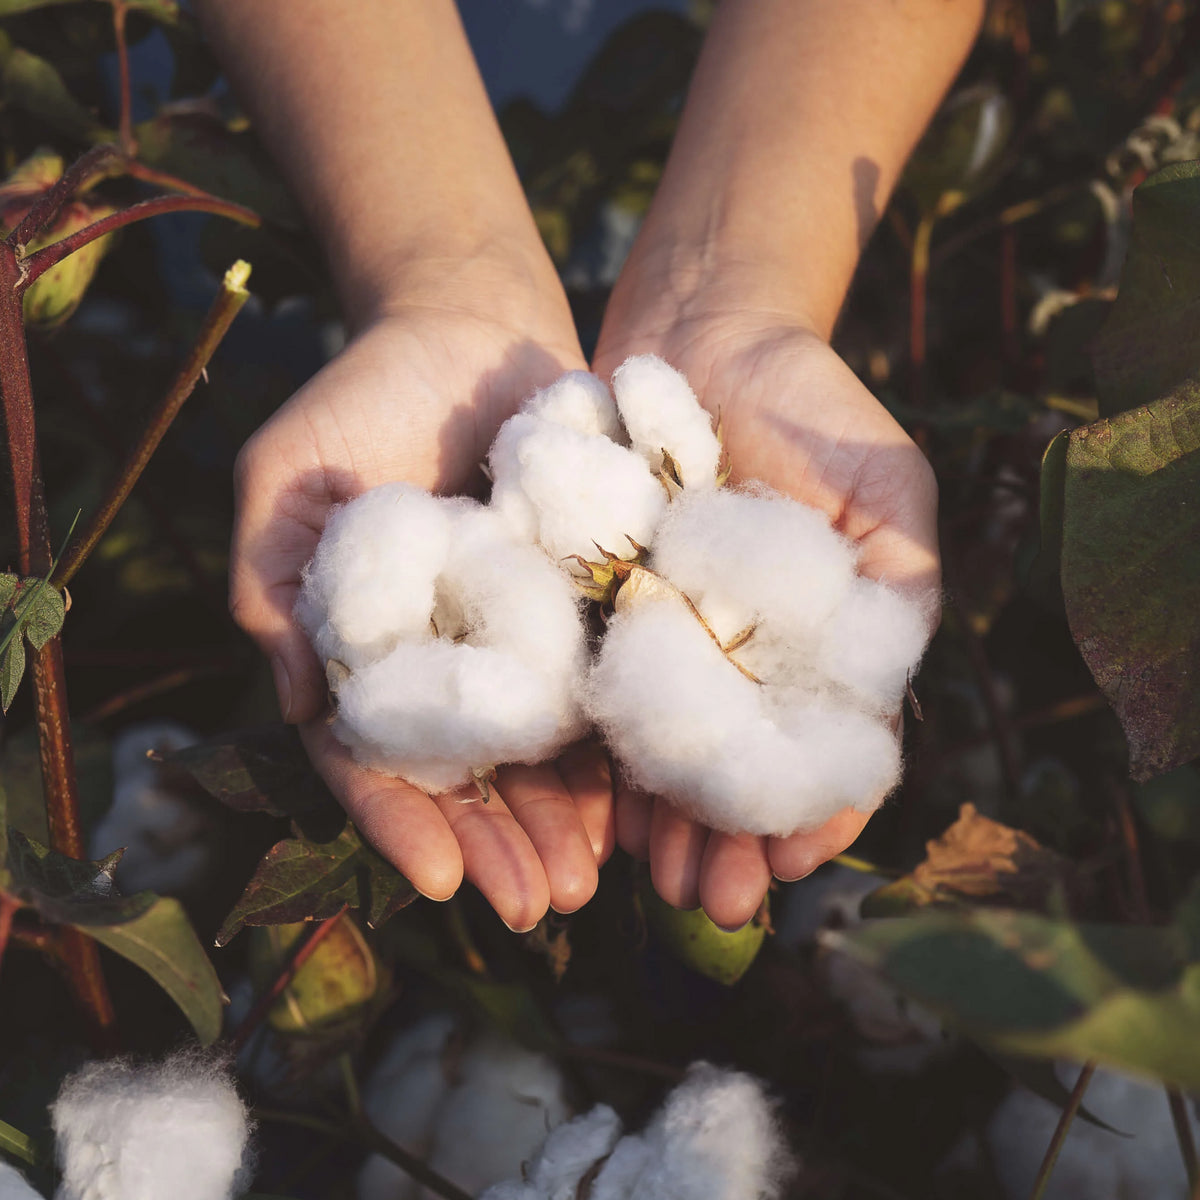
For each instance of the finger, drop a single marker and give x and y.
(587, 772)
(676, 851)
(734, 877)
(399, 820)
(542, 804)
(275, 531)
(498, 857)
(800, 854)
(633, 813)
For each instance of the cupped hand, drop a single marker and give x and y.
(797, 418)
(416, 396)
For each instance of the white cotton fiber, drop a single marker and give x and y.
(873, 642)
(579, 401)
(372, 579)
(571, 491)
(161, 830)
(661, 412)
(497, 685)
(1145, 1164)
(769, 556)
(128, 1132)
(14, 1186)
(735, 754)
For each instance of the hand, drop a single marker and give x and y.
(796, 417)
(417, 395)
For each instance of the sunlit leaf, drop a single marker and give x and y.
(163, 943)
(12, 668)
(45, 616)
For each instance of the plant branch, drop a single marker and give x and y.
(300, 954)
(84, 171)
(8, 909)
(125, 120)
(1061, 1129)
(50, 256)
(225, 307)
(1183, 1132)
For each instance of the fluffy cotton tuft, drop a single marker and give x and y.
(160, 828)
(661, 412)
(578, 400)
(373, 577)
(737, 755)
(716, 1137)
(14, 1185)
(127, 1132)
(484, 671)
(570, 491)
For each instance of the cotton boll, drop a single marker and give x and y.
(685, 724)
(578, 400)
(1093, 1161)
(505, 691)
(774, 557)
(402, 1097)
(127, 1132)
(717, 1137)
(372, 578)
(14, 1186)
(873, 642)
(571, 491)
(661, 412)
(160, 829)
(498, 1116)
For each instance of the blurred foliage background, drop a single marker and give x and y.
(1056, 916)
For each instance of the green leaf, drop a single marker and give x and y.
(1046, 569)
(32, 83)
(699, 944)
(69, 891)
(166, 11)
(1148, 349)
(163, 943)
(1170, 804)
(1127, 996)
(17, 1144)
(12, 668)
(45, 616)
(8, 589)
(1131, 572)
(299, 880)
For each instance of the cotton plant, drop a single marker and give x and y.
(716, 1137)
(745, 670)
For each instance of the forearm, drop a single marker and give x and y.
(379, 119)
(800, 118)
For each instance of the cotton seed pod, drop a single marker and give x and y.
(341, 978)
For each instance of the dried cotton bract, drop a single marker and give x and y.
(126, 1132)
(480, 659)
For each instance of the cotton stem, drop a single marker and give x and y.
(1072, 1107)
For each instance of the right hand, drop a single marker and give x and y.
(417, 395)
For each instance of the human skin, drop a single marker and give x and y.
(797, 123)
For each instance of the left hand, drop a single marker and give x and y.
(798, 419)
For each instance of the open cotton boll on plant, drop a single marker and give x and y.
(143, 1132)
(578, 400)
(482, 671)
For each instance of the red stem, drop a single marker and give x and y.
(52, 255)
(303, 951)
(8, 908)
(95, 164)
(125, 121)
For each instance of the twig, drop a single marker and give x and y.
(8, 909)
(147, 691)
(50, 256)
(460, 932)
(600, 1057)
(1133, 855)
(299, 955)
(225, 307)
(1183, 1132)
(84, 171)
(1061, 1129)
(125, 120)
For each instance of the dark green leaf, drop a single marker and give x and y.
(166, 11)
(1131, 572)
(299, 880)
(1044, 573)
(8, 589)
(44, 617)
(1127, 996)
(1170, 804)
(12, 668)
(32, 83)
(17, 1144)
(69, 891)
(163, 943)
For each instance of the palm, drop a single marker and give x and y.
(418, 396)
(795, 417)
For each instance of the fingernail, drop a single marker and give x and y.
(283, 686)
(795, 878)
(732, 928)
(526, 929)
